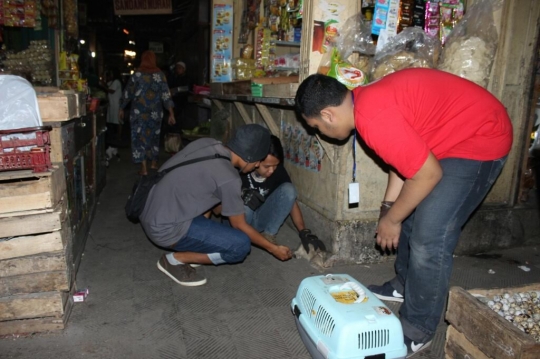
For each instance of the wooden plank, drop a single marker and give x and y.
(32, 192)
(493, 335)
(57, 151)
(28, 326)
(231, 88)
(32, 224)
(35, 283)
(10, 175)
(243, 113)
(458, 347)
(268, 119)
(30, 245)
(47, 262)
(280, 90)
(50, 304)
(276, 80)
(57, 106)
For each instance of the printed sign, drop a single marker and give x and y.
(222, 27)
(142, 7)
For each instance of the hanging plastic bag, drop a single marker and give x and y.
(410, 48)
(355, 37)
(471, 46)
(18, 104)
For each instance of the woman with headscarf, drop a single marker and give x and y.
(149, 94)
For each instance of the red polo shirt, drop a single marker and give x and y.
(408, 113)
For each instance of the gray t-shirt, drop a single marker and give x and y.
(189, 191)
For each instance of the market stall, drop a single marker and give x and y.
(46, 204)
(322, 170)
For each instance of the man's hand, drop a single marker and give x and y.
(282, 253)
(388, 233)
(306, 237)
(171, 121)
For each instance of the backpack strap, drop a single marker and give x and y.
(195, 160)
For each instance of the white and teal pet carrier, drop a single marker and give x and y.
(339, 318)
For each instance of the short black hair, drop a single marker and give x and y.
(276, 149)
(318, 92)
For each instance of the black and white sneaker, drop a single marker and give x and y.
(386, 292)
(413, 347)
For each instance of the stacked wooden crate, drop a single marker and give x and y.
(476, 331)
(35, 252)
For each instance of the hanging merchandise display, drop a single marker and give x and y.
(71, 18)
(17, 13)
(470, 48)
(50, 10)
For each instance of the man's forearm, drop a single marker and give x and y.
(414, 190)
(394, 186)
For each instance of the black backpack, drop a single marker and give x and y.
(139, 194)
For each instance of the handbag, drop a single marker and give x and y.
(141, 189)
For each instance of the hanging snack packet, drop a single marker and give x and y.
(346, 73)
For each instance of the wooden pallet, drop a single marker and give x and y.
(25, 191)
(484, 329)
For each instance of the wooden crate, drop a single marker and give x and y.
(459, 347)
(486, 331)
(37, 312)
(25, 190)
(33, 222)
(35, 244)
(55, 105)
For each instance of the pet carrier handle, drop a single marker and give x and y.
(354, 286)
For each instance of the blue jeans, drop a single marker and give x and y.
(428, 238)
(269, 217)
(222, 243)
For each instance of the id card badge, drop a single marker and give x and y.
(354, 192)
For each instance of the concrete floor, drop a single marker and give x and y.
(135, 311)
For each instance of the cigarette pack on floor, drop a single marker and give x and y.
(80, 295)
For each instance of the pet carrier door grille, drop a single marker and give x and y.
(308, 300)
(373, 339)
(324, 322)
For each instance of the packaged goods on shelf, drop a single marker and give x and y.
(34, 63)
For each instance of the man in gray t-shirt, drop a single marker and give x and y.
(176, 214)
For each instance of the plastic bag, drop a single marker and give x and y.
(470, 49)
(410, 48)
(355, 37)
(18, 104)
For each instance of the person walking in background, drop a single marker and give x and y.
(149, 94)
(113, 86)
(180, 86)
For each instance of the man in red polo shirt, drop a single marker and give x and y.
(445, 140)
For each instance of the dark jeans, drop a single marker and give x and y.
(428, 238)
(222, 243)
(269, 217)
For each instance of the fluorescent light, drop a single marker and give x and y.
(131, 42)
(130, 53)
(93, 54)
(82, 41)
